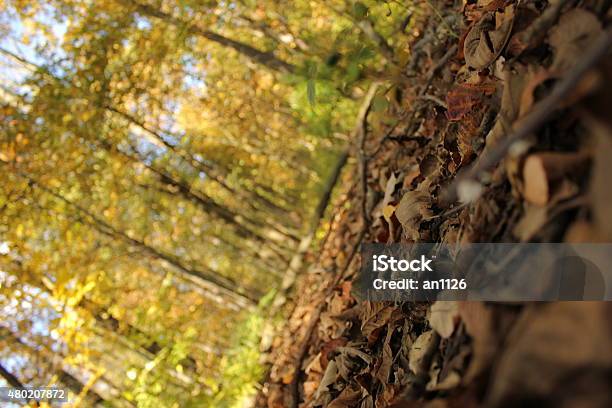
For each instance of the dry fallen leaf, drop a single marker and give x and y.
(374, 316)
(443, 317)
(412, 209)
(549, 344)
(576, 30)
(329, 378)
(464, 98)
(421, 351)
(543, 169)
(479, 325)
(487, 39)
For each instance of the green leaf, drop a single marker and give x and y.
(380, 103)
(360, 10)
(311, 91)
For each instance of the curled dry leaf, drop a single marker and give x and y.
(550, 344)
(576, 30)
(486, 40)
(443, 316)
(421, 352)
(374, 316)
(329, 378)
(542, 170)
(412, 209)
(479, 325)
(464, 98)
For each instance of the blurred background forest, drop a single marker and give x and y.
(161, 161)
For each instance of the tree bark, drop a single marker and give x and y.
(75, 385)
(10, 378)
(207, 279)
(266, 59)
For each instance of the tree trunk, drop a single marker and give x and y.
(75, 385)
(11, 379)
(266, 59)
(206, 279)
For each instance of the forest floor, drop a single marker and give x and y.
(521, 97)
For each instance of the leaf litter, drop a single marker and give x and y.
(339, 351)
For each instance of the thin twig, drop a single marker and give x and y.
(442, 20)
(360, 131)
(434, 99)
(441, 62)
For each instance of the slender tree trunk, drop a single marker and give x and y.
(207, 279)
(211, 171)
(247, 196)
(172, 186)
(106, 320)
(10, 378)
(75, 385)
(266, 59)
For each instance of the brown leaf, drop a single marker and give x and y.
(463, 98)
(487, 39)
(467, 134)
(328, 347)
(421, 351)
(329, 378)
(576, 30)
(548, 345)
(412, 209)
(348, 398)
(384, 370)
(375, 315)
(443, 316)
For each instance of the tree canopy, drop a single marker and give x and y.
(161, 161)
